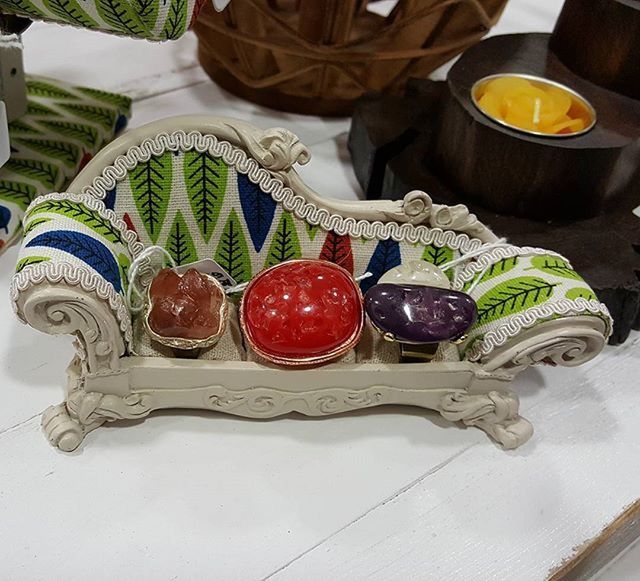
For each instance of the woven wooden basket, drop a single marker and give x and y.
(319, 56)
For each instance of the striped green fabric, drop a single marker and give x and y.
(150, 19)
(63, 128)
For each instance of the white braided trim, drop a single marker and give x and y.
(130, 238)
(73, 275)
(527, 319)
(292, 202)
(473, 268)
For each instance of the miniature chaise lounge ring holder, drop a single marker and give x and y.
(252, 213)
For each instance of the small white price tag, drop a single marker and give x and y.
(212, 268)
(220, 5)
(5, 148)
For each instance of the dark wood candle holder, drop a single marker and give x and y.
(599, 40)
(531, 176)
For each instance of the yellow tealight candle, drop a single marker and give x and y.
(534, 105)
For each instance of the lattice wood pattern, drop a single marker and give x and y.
(318, 56)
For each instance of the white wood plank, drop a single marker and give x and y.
(137, 68)
(189, 496)
(209, 99)
(518, 515)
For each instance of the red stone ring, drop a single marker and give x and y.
(302, 312)
(186, 312)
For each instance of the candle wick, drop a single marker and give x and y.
(536, 110)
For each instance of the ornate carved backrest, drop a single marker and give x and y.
(198, 197)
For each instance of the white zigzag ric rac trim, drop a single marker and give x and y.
(298, 205)
(491, 257)
(527, 319)
(135, 247)
(90, 282)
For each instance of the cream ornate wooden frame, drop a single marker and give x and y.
(105, 385)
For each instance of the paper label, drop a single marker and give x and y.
(220, 5)
(212, 268)
(5, 148)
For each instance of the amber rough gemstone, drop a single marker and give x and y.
(186, 306)
(302, 311)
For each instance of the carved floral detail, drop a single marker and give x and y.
(90, 407)
(277, 149)
(555, 351)
(66, 425)
(418, 208)
(457, 218)
(365, 398)
(269, 402)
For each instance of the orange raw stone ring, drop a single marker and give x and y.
(302, 312)
(186, 312)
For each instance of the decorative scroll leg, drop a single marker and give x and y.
(66, 425)
(495, 412)
(63, 430)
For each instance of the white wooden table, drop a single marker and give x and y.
(384, 495)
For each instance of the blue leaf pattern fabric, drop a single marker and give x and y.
(5, 219)
(110, 199)
(85, 248)
(385, 256)
(258, 208)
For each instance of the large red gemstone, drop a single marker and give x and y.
(302, 312)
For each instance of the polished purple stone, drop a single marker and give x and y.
(419, 314)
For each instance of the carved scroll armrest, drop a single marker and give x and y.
(533, 307)
(568, 342)
(63, 309)
(72, 273)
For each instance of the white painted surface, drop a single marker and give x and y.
(392, 494)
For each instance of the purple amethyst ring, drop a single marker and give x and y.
(414, 314)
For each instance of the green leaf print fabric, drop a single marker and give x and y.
(52, 142)
(150, 19)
